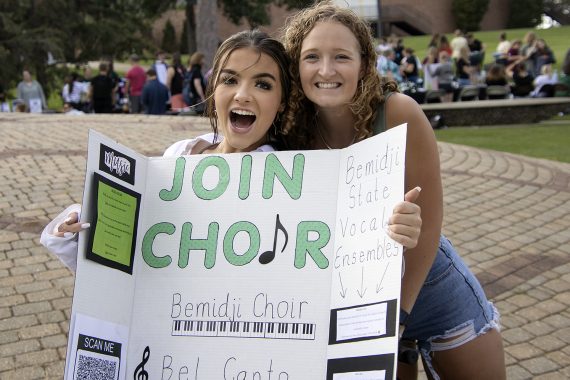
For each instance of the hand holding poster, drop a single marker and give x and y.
(243, 266)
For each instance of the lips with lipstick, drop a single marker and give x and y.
(242, 119)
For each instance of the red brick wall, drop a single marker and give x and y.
(435, 15)
(497, 15)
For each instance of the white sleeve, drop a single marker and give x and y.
(65, 248)
(182, 147)
(176, 149)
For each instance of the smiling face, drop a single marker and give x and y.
(330, 65)
(27, 76)
(247, 98)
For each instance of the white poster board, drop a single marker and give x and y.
(243, 266)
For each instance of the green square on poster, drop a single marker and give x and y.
(116, 223)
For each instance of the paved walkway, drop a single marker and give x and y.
(508, 215)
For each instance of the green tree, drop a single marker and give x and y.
(169, 43)
(82, 30)
(469, 13)
(69, 31)
(525, 13)
(25, 43)
(256, 12)
(558, 10)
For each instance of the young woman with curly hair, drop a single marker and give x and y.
(338, 99)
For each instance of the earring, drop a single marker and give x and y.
(362, 86)
(278, 120)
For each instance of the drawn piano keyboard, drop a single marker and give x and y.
(243, 329)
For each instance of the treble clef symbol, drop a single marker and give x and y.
(140, 372)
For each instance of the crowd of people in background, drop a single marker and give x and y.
(523, 67)
(163, 88)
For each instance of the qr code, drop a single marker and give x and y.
(96, 368)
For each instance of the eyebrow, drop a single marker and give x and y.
(257, 76)
(338, 50)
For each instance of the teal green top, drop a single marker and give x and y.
(564, 79)
(380, 121)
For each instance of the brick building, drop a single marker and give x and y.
(401, 17)
(434, 16)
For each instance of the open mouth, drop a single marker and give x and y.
(242, 119)
(327, 85)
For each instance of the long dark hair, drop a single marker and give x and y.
(72, 79)
(263, 44)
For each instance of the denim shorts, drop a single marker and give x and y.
(451, 306)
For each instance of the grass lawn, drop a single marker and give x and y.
(549, 140)
(556, 38)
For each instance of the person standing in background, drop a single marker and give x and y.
(136, 77)
(154, 95)
(444, 45)
(4, 104)
(160, 67)
(430, 63)
(71, 92)
(31, 93)
(541, 55)
(387, 67)
(434, 42)
(197, 85)
(117, 85)
(464, 70)
(443, 74)
(503, 47)
(175, 82)
(476, 51)
(522, 78)
(565, 77)
(527, 49)
(409, 66)
(458, 42)
(101, 91)
(85, 82)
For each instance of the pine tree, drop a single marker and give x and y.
(169, 43)
(184, 40)
(469, 13)
(525, 13)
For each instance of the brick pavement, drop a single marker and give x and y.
(508, 215)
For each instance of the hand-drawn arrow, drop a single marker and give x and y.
(379, 285)
(362, 290)
(342, 288)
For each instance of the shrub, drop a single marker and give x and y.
(469, 13)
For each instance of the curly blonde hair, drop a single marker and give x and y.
(300, 120)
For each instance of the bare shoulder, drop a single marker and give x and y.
(401, 109)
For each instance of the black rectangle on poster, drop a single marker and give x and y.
(117, 164)
(390, 323)
(361, 365)
(113, 232)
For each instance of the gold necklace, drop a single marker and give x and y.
(325, 141)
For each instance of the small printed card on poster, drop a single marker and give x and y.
(270, 265)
